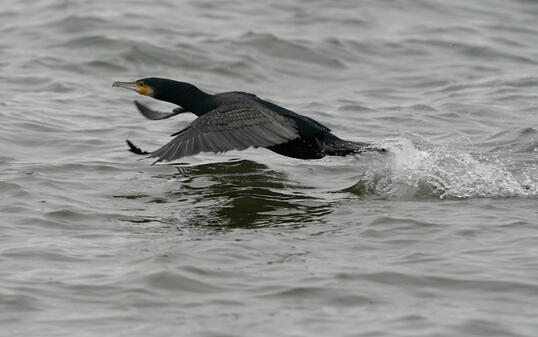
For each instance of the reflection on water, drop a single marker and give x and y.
(244, 193)
(238, 193)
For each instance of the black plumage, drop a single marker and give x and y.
(236, 121)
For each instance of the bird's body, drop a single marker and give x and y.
(237, 120)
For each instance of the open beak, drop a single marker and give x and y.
(127, 85)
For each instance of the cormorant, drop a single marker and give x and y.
(236, 120)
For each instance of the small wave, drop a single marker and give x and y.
(294, 50)
(432, 170)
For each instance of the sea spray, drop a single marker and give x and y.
(423, 170)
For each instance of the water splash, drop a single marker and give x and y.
(425, 170)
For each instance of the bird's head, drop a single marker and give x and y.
(145, 86)
(162, 89)
(181, 93)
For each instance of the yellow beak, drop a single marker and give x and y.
(132, 86)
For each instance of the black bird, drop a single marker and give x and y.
(236, 120)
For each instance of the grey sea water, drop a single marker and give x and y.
(436, 237)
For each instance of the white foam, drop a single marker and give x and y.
(428, 169)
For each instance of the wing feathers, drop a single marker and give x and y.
(156, 115)
(234, 126)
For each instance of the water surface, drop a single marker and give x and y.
(437, 237)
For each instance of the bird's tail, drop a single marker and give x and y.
(135, 149)
(335, 146)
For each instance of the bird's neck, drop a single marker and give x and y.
(200, 103)
(190, 98)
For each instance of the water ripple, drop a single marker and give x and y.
(437, 236)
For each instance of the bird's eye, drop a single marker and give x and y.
(141, 84)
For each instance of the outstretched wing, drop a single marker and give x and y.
(155, 115)
(235, 126)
